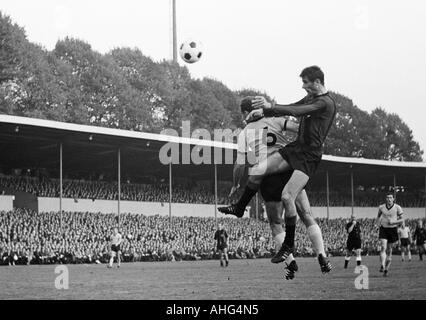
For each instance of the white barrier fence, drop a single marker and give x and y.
(198, 210)
(6, 203)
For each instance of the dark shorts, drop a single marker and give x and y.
(353, 244)
(115, 248)
(405, 242)
(390, 234)
(272, 186)
(222, 247)
(301, 158)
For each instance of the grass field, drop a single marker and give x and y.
(243, 279)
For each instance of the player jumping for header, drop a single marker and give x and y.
(317, 111)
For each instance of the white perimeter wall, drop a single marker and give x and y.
(6, 203)
(185, 209)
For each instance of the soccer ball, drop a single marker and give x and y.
(129, 236)
(262, 239)
(191, 51)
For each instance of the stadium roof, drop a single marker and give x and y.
(33, 143)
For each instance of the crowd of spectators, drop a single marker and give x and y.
(184, 193)
(81, 189)
(29, 237)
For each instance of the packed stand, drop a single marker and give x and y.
(184, 193)
(28, 237)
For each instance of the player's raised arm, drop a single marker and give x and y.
(295, 110)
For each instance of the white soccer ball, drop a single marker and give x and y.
(129, 236)
(262, 239)
(191, 51)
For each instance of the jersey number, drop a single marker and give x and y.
(271, 138)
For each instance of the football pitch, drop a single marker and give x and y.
(243, 279)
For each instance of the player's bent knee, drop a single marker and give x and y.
(287, 197)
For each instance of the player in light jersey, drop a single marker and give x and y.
(256, 142)
(388, 218)
(116, 240)
(404, 234)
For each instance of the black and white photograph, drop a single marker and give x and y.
(212, 156)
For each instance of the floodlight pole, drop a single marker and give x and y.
(215, 193)
(394, 186)
(257, 206)
(60, 185)
(328, 195)
(170, 191)
(119, 184)
(352, 190)
(174, 33)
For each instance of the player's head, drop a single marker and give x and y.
(353, 217)
(313, 80)
(246, 105)
(220, 226)
(390, 199)
(115, 230)
(420, 223)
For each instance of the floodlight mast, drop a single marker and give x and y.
(174, 32)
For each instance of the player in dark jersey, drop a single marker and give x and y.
(419, 238)
(273, 136)
(354, 241)
(221, 236)
(317, 112)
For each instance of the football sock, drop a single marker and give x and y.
(314, 233)
(290, 231)
(347, 259)
(409, 255)
(290, 258)
(358, 261)
(249, 192)
(402, 255)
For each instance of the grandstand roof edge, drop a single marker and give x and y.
(110, 131)
(363, 161)
(181, 140)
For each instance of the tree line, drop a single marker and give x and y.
(126, 89)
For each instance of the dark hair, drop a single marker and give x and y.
(246, 104)
(390, 193)
(313, 73)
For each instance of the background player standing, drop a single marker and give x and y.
(116, 240)
(221, 236)
(354, 241)
(404, 234)
(389, 217)
(419, 238)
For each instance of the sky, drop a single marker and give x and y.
(371, 51)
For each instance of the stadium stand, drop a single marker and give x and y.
(159, 192)
(28, 237)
